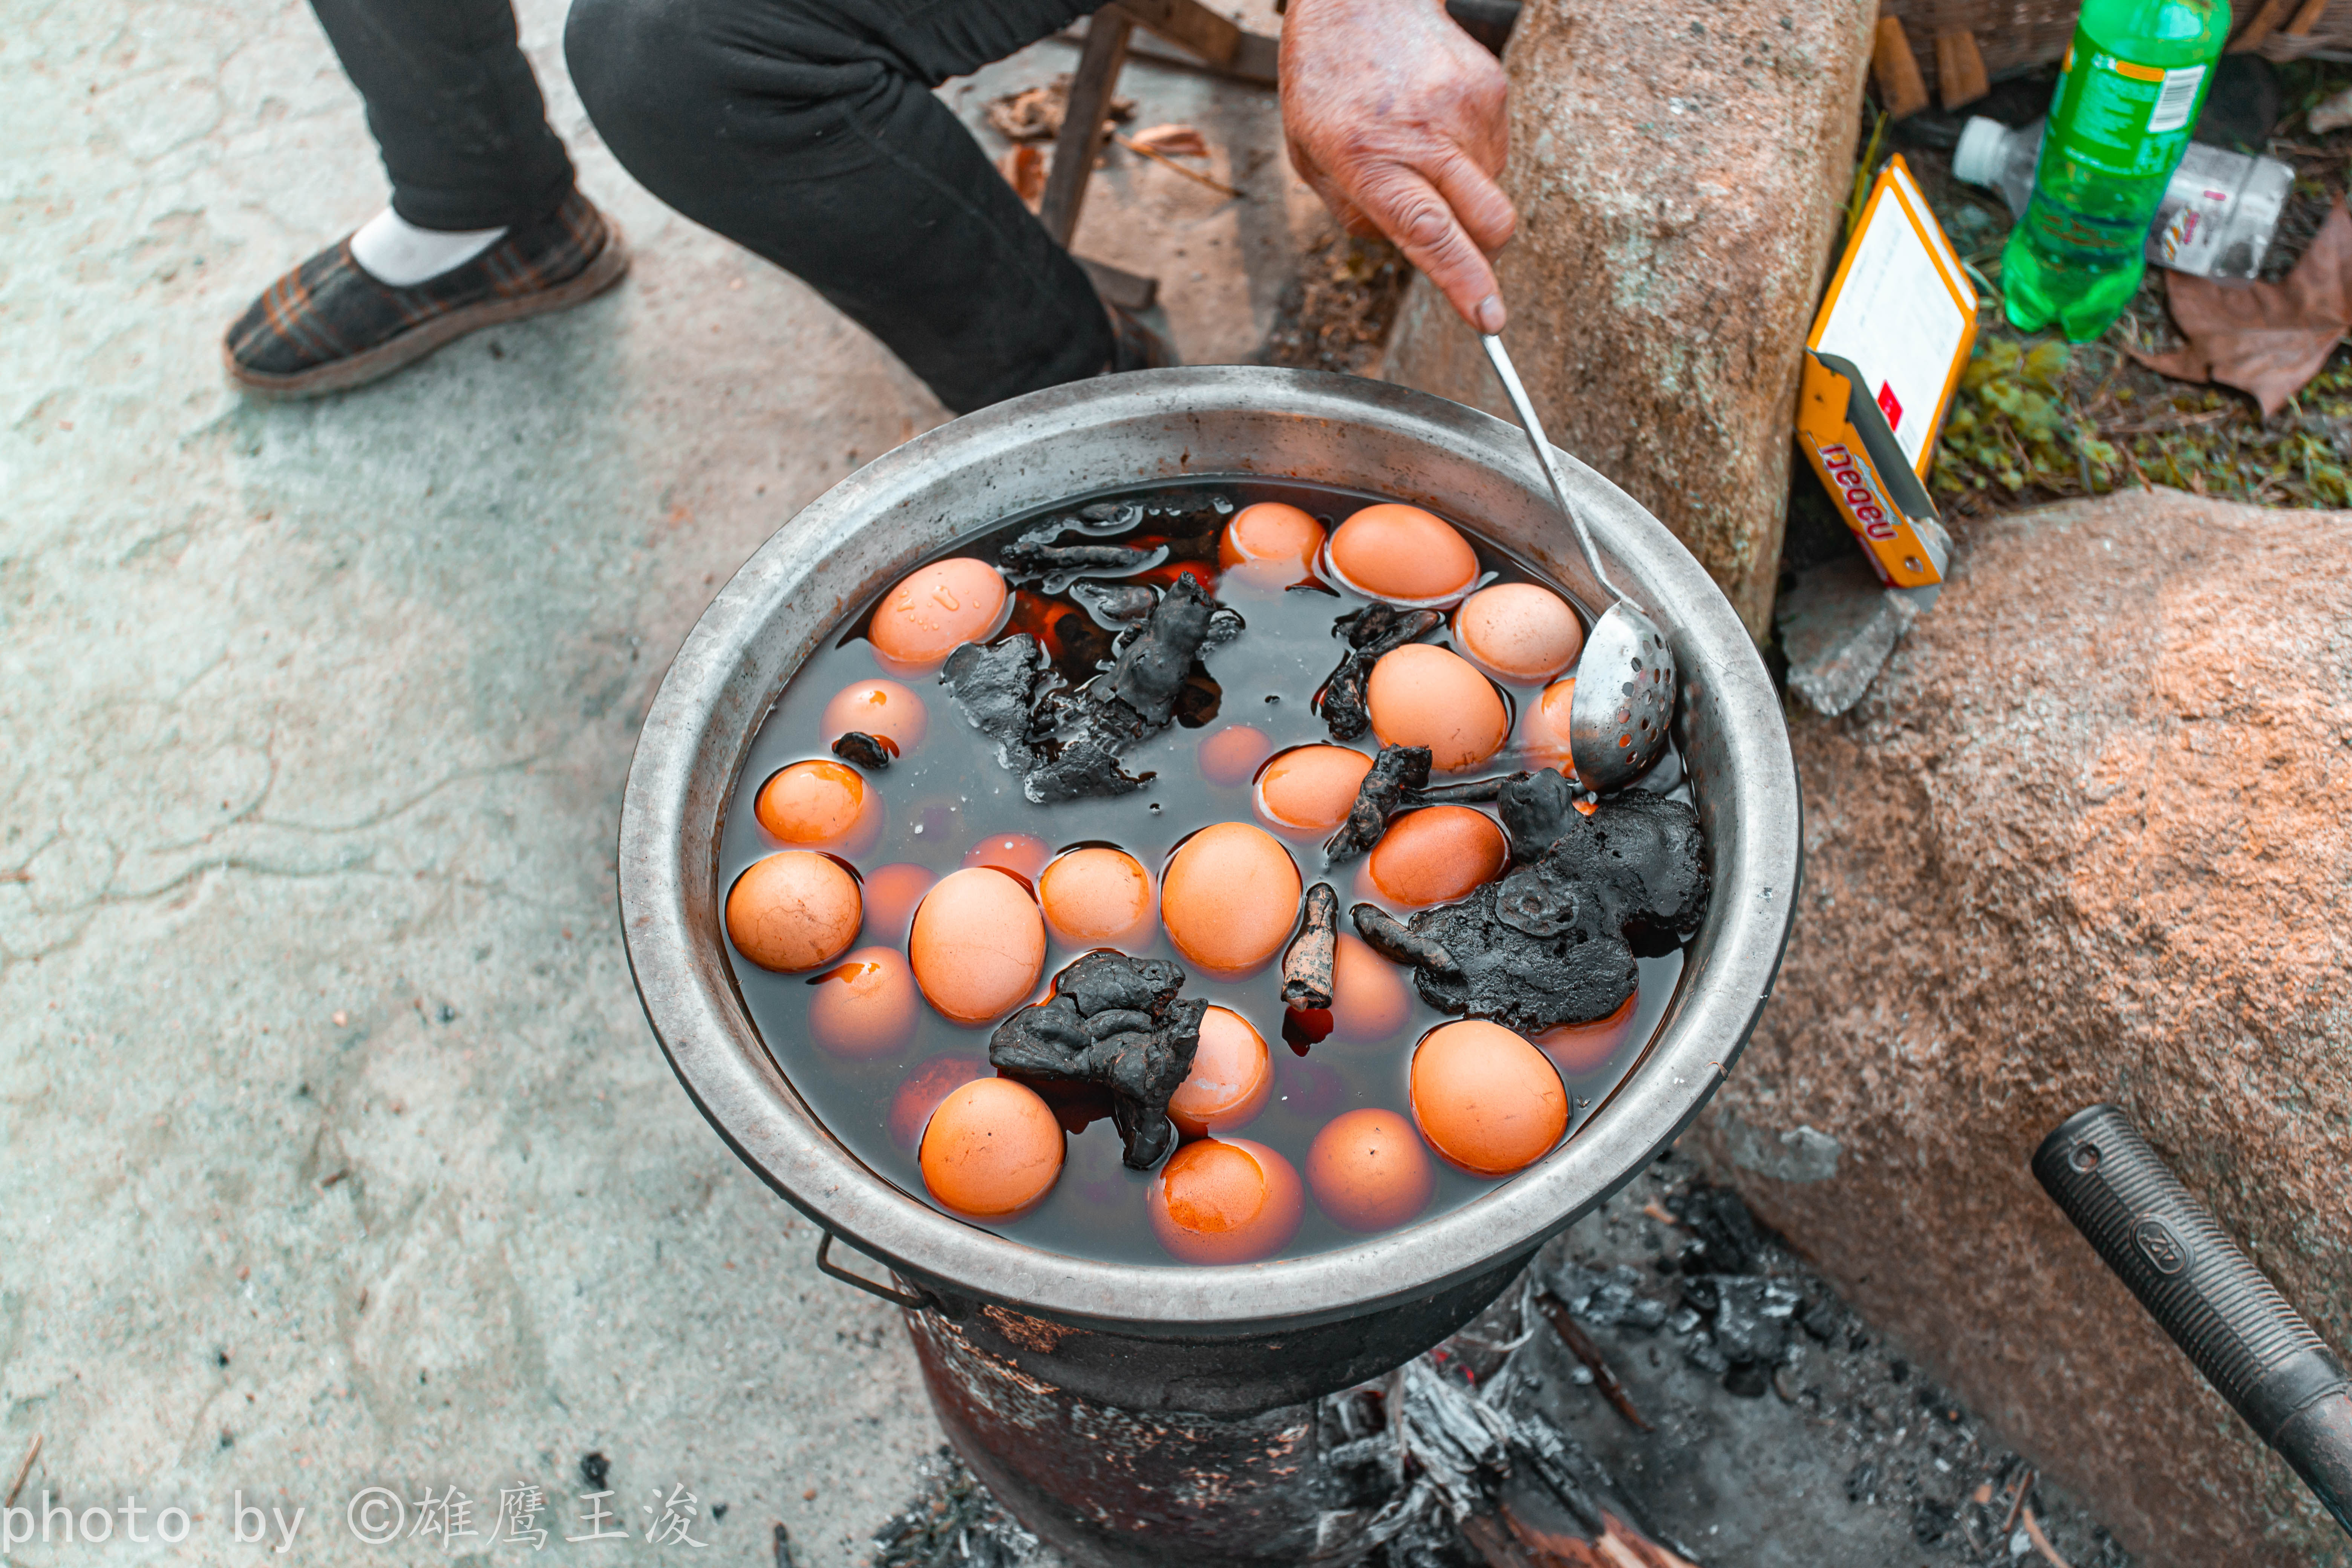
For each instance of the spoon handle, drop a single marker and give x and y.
(1518, 394)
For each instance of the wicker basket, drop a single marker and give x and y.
(2012, 35)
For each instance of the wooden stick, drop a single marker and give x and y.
(1960, 68)
(1900, 87)
(2263, 23)
(1156, 156)
(1580, 1344)
(1086, 118)
(23, 1470)
(2041, 1541)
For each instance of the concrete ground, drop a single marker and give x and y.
(336, 1152)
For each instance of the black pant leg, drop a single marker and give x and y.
(454, 109)
(806, 131)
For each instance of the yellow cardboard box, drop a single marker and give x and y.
(1884, 355)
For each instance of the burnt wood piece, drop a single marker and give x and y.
(1114, 606)
(1371, 631)
(869, 751)
(1307, 966)
(1396, 772)
(1468, 792)
(1400, 943)
(1086, 122)
(998, 688)
(1150, 669)
(1114, 1021)
(1022, 559)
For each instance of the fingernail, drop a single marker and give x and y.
(1490, 313)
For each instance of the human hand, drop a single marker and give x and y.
(1395, 115)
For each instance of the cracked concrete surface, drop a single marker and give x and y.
(336, 1151)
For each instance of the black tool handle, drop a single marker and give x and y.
(2251, 1345)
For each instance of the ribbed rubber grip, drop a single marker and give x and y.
(2248, 1342)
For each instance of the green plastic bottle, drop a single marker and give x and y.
(2133, 84)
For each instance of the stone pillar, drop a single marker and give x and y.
(2085, 839)
(1679, 171)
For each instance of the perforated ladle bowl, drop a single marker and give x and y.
(1624, 697)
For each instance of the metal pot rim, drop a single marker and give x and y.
(714, 697)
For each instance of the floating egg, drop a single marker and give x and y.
(821, 805)
(1229, 897)
(1587, 1047)
(992, 1149)
(1097, 898)
(1437, 854)
(936, 608)
(1271, 531)
(866, 1006)
(1403, 554)
(1486, 1099)
(1232, 753)
(1369, 1172)
(882, 709)
(1230, 1079)
(1226, 1200)
(978, 945)
(1023, 854)
(1519, 631)
(925, 1088)
(1370, 999)
(891, 894)
(1425, 696)
(1308, 789)
(794, 910)
(1543, 727)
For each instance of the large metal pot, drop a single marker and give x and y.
(997, 1322)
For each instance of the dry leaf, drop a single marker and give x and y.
(1023, 168)
(1034, 113)
(2267, 339)
(1173, 141)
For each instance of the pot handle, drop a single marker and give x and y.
(915, 1301)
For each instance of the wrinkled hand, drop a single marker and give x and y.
(1395, 115)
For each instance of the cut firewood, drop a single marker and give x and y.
(1580, 1344)
(1902, 91)
(1960, 68)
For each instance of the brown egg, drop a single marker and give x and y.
(1232, 753)
(1229, 897)
(1403, 554)
(1370, 999)
(1519, 631)
(1587, 1047)
(1486, 1099)
(794, 910)
(1437, 854)
(821, 805)
(1226, 1200)
(936, 608)
(891, 894)
(1543, 728)
(978, 945)
(1230, 1081)
(866, 1006)
(1097, 898)
(1369, 1172)
(1024, 855)
(1308, 789)
(992, 1150)
(1425, 696)
(1270, 531)
(883, 709)
(927, 1085)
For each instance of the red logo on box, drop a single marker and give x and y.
(1890, 405)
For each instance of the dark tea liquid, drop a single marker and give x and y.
(949, 794)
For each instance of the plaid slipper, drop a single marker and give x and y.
(327, 326)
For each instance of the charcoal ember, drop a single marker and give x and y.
(1396, 771)
(1307, 965)
(1648, 852)
(999, 687)
(1819, 1318)
(1022, 558)
(1522, 982)
(1371, 631)
(1115, 1022)
(1083, 767)
(1150, 669)
(1114, 606)
(1611, 1300)
(1396, 942)
(1742, 1329)
(1465, 792)
(1535, 809)
(1746, 1380)
(869, 751)
(1724, 1238)
(1701, 1353)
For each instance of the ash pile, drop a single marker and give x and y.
(1667, 1386)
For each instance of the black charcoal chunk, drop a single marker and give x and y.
(1117, 1022)
(869, 751)
(1150, 669)
(1465, 792)
(1307, 966)
(1396, 942)
(1526, 983)
(1114, 606)
(1022, 558)
(1371, 631)
(998, 688)
(1534, 809)
(1396, 771)
(1080, 768)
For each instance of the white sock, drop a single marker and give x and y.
(394, 251)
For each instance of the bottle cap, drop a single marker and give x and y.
(1983, 148)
